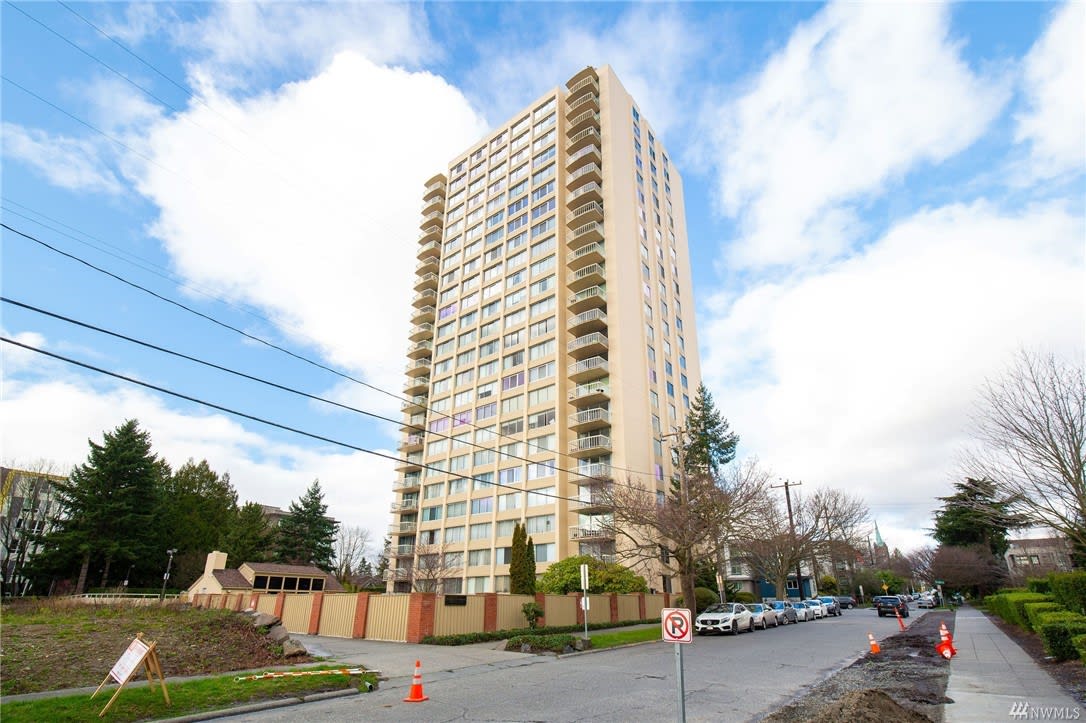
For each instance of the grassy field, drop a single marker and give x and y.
(624, 637)
(55, 645)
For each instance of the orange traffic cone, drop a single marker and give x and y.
(900, 621)
(416, 695)
(875, 649)
(945, 649)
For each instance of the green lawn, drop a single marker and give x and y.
(624, 637)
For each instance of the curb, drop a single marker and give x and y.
(262, 706)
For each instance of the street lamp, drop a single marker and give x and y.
(126, 576)
(166, 576)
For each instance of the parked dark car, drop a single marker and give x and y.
(891, 605)
(785, 612)
(846, 602)
(832, 606)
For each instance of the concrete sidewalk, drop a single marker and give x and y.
(993, 679)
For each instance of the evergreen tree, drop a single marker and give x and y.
(248, 538)
(518, 561)
(106, 508)
(529, 572)
(709, 441)
(197, 507)
(307, 535)
(974, 515)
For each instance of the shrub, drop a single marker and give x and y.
(743, 597)
(1069, 590)
(1035, 609)
(703, 597)
(481, 637)
(552, 643)
(1039, 584)
(533, 611)
(1079, 641)
(1011, 605)
(1057, 630)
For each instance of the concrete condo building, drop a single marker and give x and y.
(552, 343)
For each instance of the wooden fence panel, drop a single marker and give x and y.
(599, 609)
(654, 603)
(266, 604)
(629, 607)
(386, 618)
(296, 612)
(510, 616)
(337, 615)
(459, 619)
(561, 610)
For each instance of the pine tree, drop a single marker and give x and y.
(529, 571)
(518, 561)
(710, 443)
(307, 535)
(106, 508)
(197, 508)
(974, 515)
(248, 538)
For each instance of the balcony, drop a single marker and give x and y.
(592, 297)
(412, 464)
(427, 297)
(407, 483)
(416, 385)
(584, 277)
(398, 573)
(590, 232)
(424, 314)
(596, 498)
(427, 264)
(578, 86)
(433, 217)
(426, 281)
(418, 368)
(403, 551)
(590, 118)
(435, 186)
(585, 102)
(592, 393)
(412, 442)
(420, 349)
(591, 418)
(592, 474)
(421, 331)
(590, 191)
(590, 533)
(591, 211)
(430, 248)
(587, 369)
(405, 506)
(592, 253)
(415, 404)
(591, 320)
(584, 174)
(430, 233)
(433, 205)
(593, 344)
(403, 528)
(592, 444)
(579, 140)
(414, 424)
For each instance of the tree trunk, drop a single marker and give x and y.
(105, 571)
(782, 587)
(80, 585)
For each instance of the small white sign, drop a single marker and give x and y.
(676, 625)
(585, 603)
(126, 665)
(584, 577)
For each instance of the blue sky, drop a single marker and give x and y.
(884, 202)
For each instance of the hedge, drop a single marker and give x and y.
(553, 643)
(486, 637)
(1079, 641)
(1035, 609)
(1069, 590)
(1057, 630)
(1039, 584)
(1011, 605)
(703, 597)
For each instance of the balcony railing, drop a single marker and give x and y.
(591, 211)
(588, 190)
(592, 316)
(596, 340)
(590, 443)
(595, 364)
(404, 550)
(593, 473)
(405, 506)
(589, 82)
(594, 415)
(590, 390)
(583, 138)
(584, 533)
(574, 107)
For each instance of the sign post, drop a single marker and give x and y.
(584, 597)
(676, 627)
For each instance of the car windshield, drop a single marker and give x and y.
(779, 606)
(756, 608)
(720, 608)
(826, 599)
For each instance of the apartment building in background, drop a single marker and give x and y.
(552, 341)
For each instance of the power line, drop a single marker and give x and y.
(272, 345)
(278, 425)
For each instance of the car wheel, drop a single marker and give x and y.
(735, 628)
(750, 626)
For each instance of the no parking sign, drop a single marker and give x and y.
(676, 626)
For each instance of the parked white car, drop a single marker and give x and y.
(724, 618)
(817, 607)
(803, 613)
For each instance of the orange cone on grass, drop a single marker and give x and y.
(946, 643)
(875, 649)
(416, 695)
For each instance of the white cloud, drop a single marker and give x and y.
(72, 163)
(656, 79)
(861, 94)
(14, 359)
(861, 376)
(316, 219)
(237, 41)
(356, 485)
(1053, 76)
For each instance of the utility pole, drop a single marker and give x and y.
(792, 528)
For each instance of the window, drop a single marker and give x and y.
(480, 531)
(454, 534)
(478, 584)
(542, 306)
(542, 443)
(544, 552)
(512, 404)
(482, 505)
(513, 338)
(542, 286)
(541, 228)
(478, 557)
(540, 419)
(540, 523)
(544, 208)
(457, 464)
(541, 395)
(429, 492)
(542, 191)
(510, 450)
(429, 514)
(485, 390)
(540, 470)
(542, 247)
(462, 398)
(484, 480)
(517, 205)
(541, 176)
(503, 555)
(542, 328)
(513, 426)
(507, 502)
(512, 381)
(509, 476)
(483, 456)
(539, 351)
(543, 371)
(438, 446)
(515, 359)
(485, 350)
(486, 411)
(491, 367)
(455, 509)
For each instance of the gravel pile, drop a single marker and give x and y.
(906, 683)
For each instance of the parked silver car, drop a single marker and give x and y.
(785, 612)
(764, 616)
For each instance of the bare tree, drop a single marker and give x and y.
(844, 518)
(26, 509)
(352, 545)
(972, 567)
(433, 564)
(919, 561)
(1031, 429)
(691, 522)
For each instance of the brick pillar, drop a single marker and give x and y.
(361, 610)
(490, 612)
(667, 599)
(641, 609)
(280, 601)
(580, 609)
(541, 601)
(254, 599)
(420, 616)
(614, 607)
(239, 601)
(222, 600)
(315, 613)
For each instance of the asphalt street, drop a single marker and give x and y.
(726, 679)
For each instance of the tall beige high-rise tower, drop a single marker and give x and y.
(553, 340)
